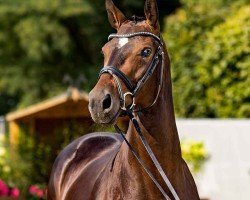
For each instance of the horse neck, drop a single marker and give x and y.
(158, 124)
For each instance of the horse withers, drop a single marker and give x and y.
(135, 81)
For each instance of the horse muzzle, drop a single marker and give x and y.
(104, 106)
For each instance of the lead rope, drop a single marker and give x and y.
(152, 156)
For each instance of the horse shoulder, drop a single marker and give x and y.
(84, 157)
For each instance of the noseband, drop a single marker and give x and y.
(133, 90)
(130, 109)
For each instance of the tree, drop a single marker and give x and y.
(41, 41)
(186, 33)
(224, 70)
(39, 45)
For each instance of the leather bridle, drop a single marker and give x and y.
(130, 109)
(133, 90)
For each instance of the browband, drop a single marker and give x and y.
(114, 35)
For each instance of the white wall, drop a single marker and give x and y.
(226, 175)
(2, 125)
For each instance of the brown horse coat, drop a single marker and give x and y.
(100, 165)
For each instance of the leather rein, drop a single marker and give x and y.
(130, 109)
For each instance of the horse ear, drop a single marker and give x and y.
(151, 13)
(116, 17)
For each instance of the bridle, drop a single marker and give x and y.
(130, 109)
(133, 90)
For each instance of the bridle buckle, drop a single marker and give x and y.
(160, 51)
(132, 105)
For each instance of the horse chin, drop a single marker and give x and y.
(109, 119)
(113, 120)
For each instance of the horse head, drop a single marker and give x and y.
(128, 53)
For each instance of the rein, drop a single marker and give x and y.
(130, 109)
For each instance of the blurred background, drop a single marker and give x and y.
(49, 60)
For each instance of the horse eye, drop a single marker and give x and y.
(146, 52)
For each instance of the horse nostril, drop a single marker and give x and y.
(106, 102)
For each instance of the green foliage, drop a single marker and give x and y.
(13, 169)
(44, 36)
(42, 41)
(39, 45)
(3, 154)
(224, 69)
(198, 43)
(195, 154)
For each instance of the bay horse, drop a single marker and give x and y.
(107, 166)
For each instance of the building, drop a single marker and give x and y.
(46, 118)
